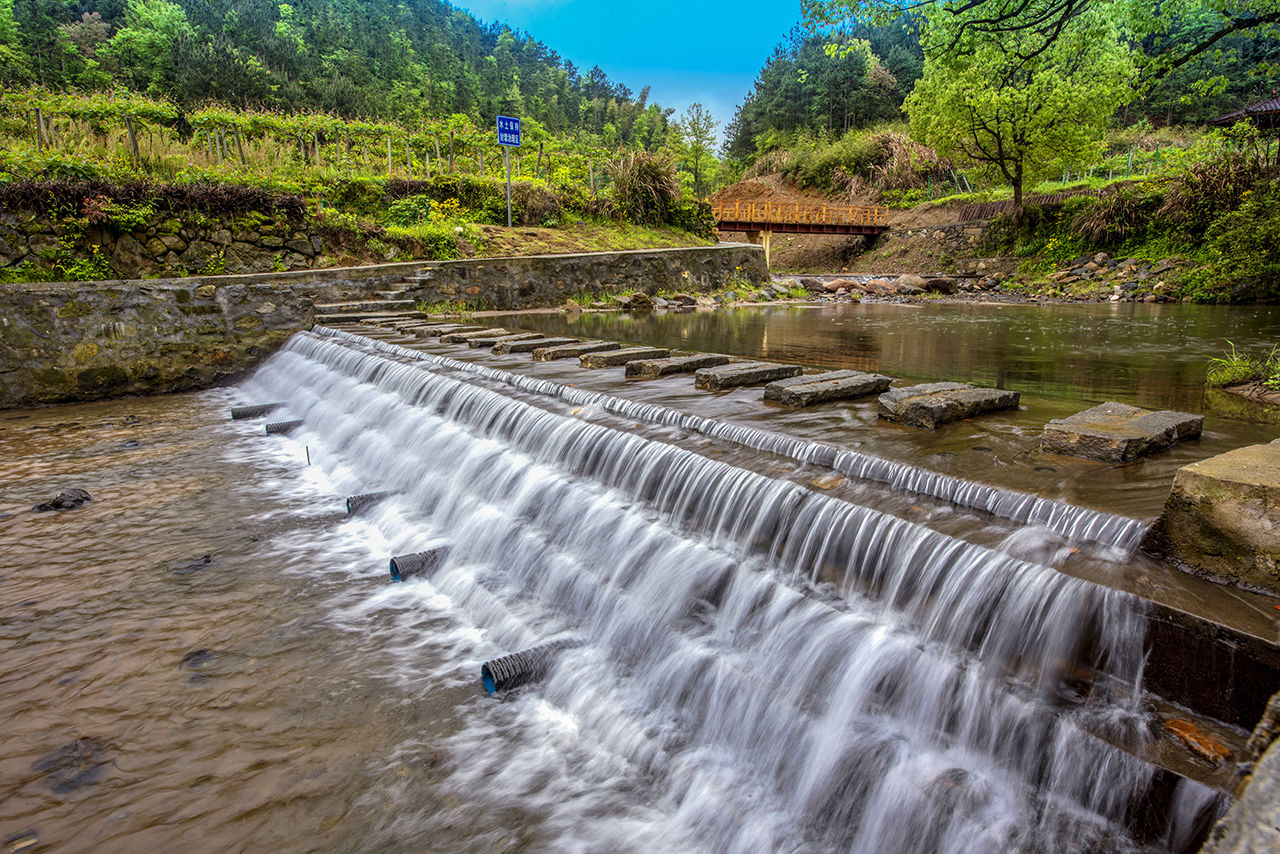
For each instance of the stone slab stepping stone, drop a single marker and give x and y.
(464, 337)
(819, 388)
(1117, 433)
(494, 340)
(550, 352)
(743, 373)
(433, 331)
(613, 358)
(653, 368)
(510, 345)
(933, 404)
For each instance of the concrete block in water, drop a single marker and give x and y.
(529, 345)
(653, 368)
(493, 340)
(441, 331)
(613, 358)
(1117, 432)
(1222, 518)
(418, 563)
(548, 353)
(464, 337)
(743, 373)
(931, 405)
(254, 410)
(819, 388)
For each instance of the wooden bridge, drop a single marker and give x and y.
(760, 219)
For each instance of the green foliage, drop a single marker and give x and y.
(1015, 104)
(1245, 247)
(644, 186)
(1113, 218)
(1234, 368)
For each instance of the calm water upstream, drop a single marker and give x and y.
(209, 656)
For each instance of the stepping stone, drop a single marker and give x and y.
(493, 340)
(743, 373)
(933, 404)
(613, 358)
(550, 353)
(653, 368)
(464, 337)
(1117, 433)
(433, 331)
(510, 345)
(819, 388)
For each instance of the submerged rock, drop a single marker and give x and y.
(72, 766)
(68, 499)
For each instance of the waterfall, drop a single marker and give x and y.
(762, 667)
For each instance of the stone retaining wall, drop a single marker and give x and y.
(63, 342)
(548, 280)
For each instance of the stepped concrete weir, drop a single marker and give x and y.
(853, 673)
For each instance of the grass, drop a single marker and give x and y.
(1234, 368)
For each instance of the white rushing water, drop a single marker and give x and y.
(762, 668)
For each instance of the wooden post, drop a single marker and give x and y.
(426, 166)
(537, 170)
(240, 148)
(40, 139)
(480, 159)
(436, 141)
(450, 152)
(315, 139)
(388, 155)
(591, 173)
(133, 139)
(408, 158)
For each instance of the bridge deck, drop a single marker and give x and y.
(803, 218)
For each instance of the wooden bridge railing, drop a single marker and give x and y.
(775, 212)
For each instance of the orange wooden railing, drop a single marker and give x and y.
(775, 212)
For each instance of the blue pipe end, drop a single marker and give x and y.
(487, 678)
(395, 571)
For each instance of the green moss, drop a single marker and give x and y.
(74, 308)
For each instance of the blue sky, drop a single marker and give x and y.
(687, 51)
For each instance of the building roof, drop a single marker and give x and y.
(1264, 114)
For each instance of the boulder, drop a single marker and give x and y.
(68, 499)
(551, 352)
(910, 280)
(819, 388)
(1222, 518)
(640, 301)
(684, 299)
(942, 285)
(1117, 432)
(572, 307)
(931, 405)
(836, 284)
(811, 283)
(248, 258)
(130, 259)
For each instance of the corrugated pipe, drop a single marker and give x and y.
(283, 427)
(418, 563)
(253, 411)
(356, 503)
(519, 668)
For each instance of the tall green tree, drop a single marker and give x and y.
(1017, 103)
(13, 64)
(144, 48)
(698, 133)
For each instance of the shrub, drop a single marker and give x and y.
(1244, 246)
(1114, 217)
(644, 186)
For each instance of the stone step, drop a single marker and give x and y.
(366, 317)
(464, 337)
(1118, 433)
(494, 340)
(743, 373)
(528, 346)
(654, 368)
(819, 388)
(438, 330)
(551, 352)
(613, 358)
(385, 305)
(930, 405)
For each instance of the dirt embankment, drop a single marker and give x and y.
(823, 253)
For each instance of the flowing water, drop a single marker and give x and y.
(210, 655)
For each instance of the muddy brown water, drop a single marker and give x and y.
(209, 657)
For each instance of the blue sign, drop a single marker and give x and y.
(508, 131)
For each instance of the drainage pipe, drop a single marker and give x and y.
(418, 563)
(510, 671)
(283, 427)
(254, 410)
(356, 503)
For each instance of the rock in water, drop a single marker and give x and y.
(68, 499)
(640, 301)
(70, 767)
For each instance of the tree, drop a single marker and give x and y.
(698, 130)
(1046, 20)
(1017, 103)
(13, 65)
(145, 47)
